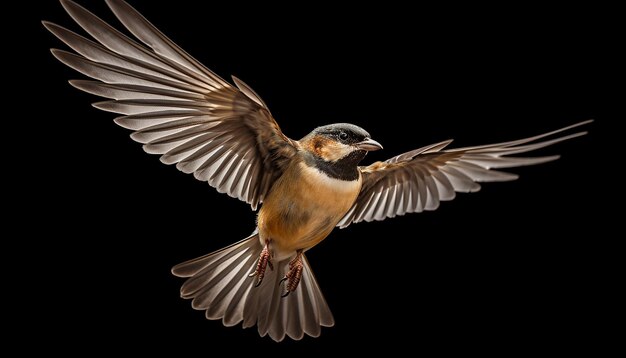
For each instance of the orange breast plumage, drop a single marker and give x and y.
(300, 216)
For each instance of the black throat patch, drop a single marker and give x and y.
(345, 168)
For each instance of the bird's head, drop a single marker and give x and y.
(339, 144)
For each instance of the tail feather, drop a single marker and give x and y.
(219, 283)
(211, 268)
(303, 311)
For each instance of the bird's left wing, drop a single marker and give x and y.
(418, 180)
(176, 107)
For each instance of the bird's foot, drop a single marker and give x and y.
(265, 260)
(294, 274)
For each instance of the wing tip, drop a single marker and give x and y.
(551, 158)
(248, 91)
(56, 51)
(64, 56)
(136, 136)
(120, 121)
(176, 272)
(572, 126)
(103, 105)
(80, 84)
(54, 28)
(114, 3)
(167, 160)
(61, 55)
(68, 4)
(48, 24)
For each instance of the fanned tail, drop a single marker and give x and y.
(219, 284)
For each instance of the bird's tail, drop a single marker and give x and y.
(220, 284)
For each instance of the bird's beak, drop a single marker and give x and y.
(369, 145)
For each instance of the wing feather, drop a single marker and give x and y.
(177, 107)
(420, 179)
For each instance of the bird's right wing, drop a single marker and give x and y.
(176, 107)
(418, 180)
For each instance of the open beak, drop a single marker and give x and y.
(369, 145)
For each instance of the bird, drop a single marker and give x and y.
(302, 190)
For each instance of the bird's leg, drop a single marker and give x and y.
(265, 259)
(294, 274)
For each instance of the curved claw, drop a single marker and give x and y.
(265, 260)
(294, 274)
(280, 283)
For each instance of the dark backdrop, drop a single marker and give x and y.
(517, 266)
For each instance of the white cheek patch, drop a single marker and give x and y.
(335, 151)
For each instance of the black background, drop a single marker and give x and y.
(524, 265)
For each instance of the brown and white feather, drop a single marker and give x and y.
(420, 179)
(176, 107)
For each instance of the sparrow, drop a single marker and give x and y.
(225, 135)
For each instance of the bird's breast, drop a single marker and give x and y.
(304, 206)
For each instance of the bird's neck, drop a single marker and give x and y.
(345, 168)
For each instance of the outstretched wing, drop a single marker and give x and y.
(418, 180)
(176, 107)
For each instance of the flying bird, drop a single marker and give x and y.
(225, 135)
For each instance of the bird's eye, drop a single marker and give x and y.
(343, 135)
